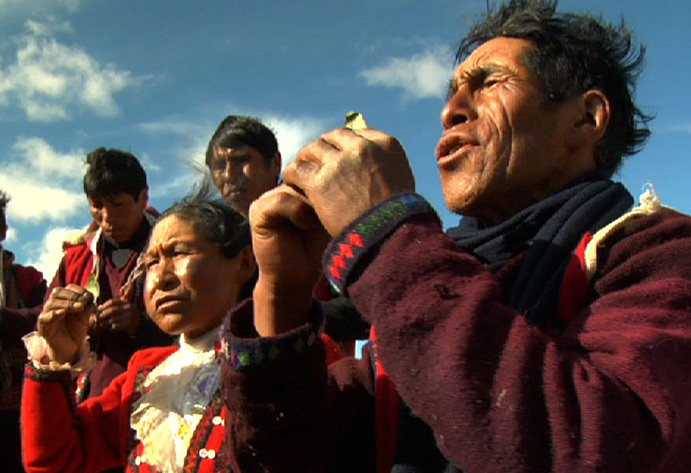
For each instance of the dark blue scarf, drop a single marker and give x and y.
(546, 233)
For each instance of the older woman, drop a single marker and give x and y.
(165, 413)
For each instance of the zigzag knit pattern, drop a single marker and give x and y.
(367, 231)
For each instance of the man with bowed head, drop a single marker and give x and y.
(107, 263)
(549, 332)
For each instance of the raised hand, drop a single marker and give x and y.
(288, 242)
(64, 321)
(344, 173)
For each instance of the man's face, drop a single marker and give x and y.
(242, 174)
(503, 146)
(119, 215)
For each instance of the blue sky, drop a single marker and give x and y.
(155, 77)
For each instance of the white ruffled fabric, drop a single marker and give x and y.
(181, 388)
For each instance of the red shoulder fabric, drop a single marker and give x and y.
(28, 278)
(79, 261)
(574, 287)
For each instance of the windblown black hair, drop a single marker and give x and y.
(237, 130)
(218, 222)
(111, 171)
(575, 53)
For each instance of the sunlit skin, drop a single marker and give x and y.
(119, 215)
(189, 284)
(189, 287)
(242, 174)
(504, 147)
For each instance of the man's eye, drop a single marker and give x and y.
(182, 251)
(218, 165)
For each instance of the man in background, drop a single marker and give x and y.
(22, 289)
(107, 262)
(244, 161)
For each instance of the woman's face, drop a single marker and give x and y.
(190, 286)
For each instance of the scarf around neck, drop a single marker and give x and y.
(546, 233)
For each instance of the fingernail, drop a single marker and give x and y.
(78, 305)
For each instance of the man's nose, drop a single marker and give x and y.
(106, 216)
(458, 109)
(228, 170)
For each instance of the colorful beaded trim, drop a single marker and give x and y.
(368, 230)
(245, 354)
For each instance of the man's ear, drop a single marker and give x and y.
(276, 162)
(144, 194)
(593, 118)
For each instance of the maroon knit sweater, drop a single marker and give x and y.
(610, 393)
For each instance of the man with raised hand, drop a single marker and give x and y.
(549, 332)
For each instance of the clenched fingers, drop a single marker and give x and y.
(69, 298)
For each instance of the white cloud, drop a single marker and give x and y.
(148, 163)
(48, 27)
(175, 126)
(44, 184)
(11, 234)
(684, 127)
(175, 187)
(33, 201)
(293, 133)
(49, 78)
(49, 251)
(23, 6)
(424, 75)
(44, 161)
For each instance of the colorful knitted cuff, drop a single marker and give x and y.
(246, 353)
(367, 231)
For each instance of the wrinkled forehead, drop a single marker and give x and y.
(241, 150)
(501, 50)
(175, 227)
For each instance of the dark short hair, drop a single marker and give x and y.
(111, 171)
(238, 130)
(574, 53)
(217, 221)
